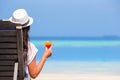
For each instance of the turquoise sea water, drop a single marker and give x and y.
(81, 56)
(82, 50)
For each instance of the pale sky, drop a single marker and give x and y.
(68, 18)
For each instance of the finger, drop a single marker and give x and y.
(46, 48)
(50, 48)
(50, 55)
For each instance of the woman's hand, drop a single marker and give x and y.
(48, 52)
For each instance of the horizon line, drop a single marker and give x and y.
(77, 38)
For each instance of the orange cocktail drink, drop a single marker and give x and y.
(48, 44)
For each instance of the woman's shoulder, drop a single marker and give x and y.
(30, 44)
(32, 51)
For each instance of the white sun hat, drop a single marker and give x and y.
(20, 16)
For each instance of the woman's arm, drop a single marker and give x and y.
(35, 69)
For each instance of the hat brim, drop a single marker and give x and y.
(30, 21)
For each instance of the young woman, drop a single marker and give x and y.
(29, 50)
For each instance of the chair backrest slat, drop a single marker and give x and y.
(8, 57)
(8, 45)
(6, 78)
(7, 63)
(6, 68)
(6, 74)
(8, 39)
(8, 51)
(7, 24)
(7, 33)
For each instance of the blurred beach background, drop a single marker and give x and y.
(85, 36)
